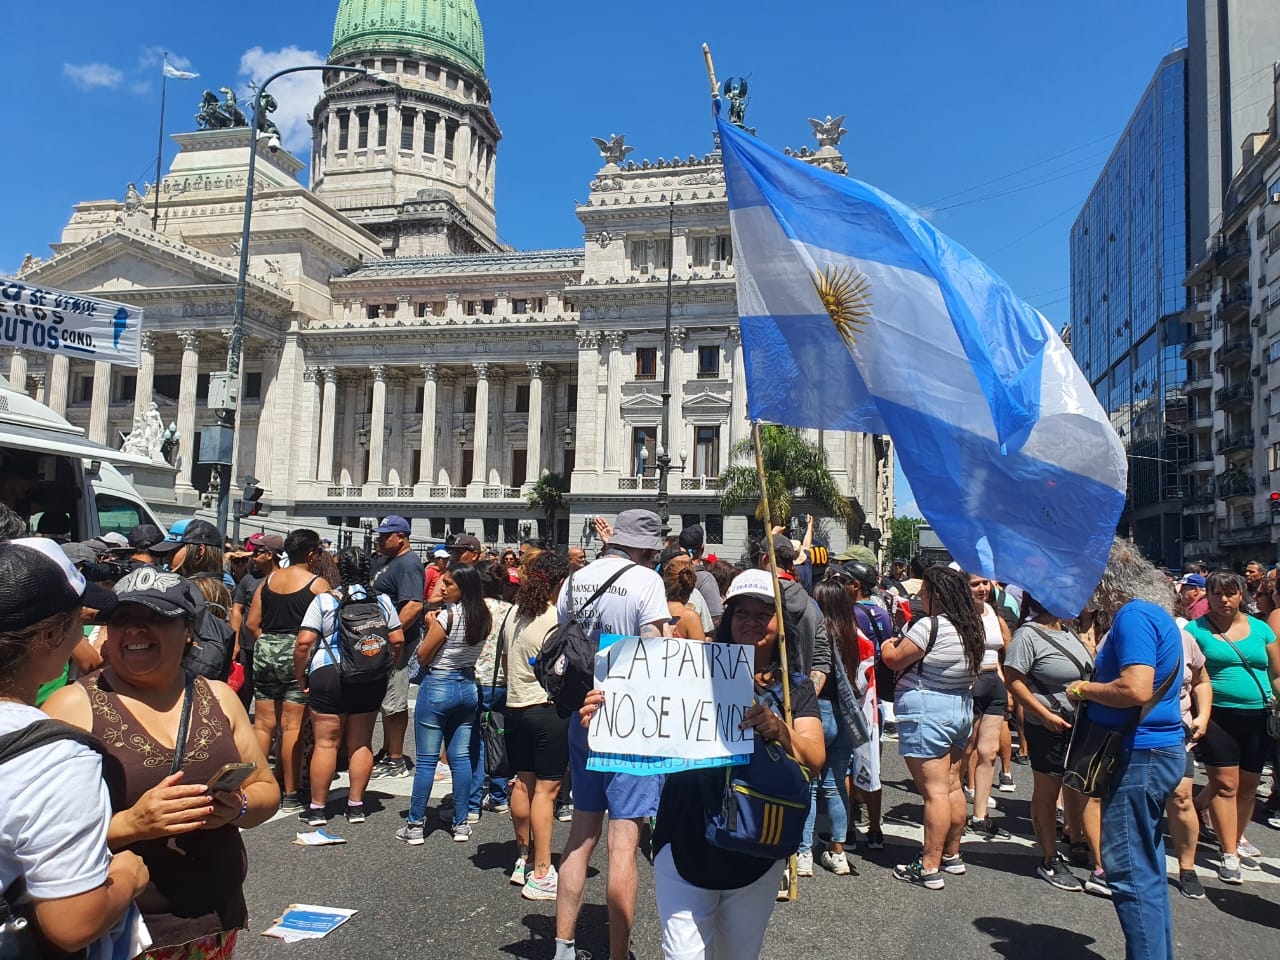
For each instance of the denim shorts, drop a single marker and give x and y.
(932, 723)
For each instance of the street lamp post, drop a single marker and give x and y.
(229, 415)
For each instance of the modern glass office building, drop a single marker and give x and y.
(1129, 255)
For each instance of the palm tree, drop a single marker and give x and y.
(547, 495)
(794, 469)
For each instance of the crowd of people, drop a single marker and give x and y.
(130, 665)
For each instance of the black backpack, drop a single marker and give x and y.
(566, 665)
(363, 638)
(212, 639)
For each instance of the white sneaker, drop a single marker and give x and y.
(518, 872)
(837, 863)
(804, 865)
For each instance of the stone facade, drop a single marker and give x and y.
(440, 382)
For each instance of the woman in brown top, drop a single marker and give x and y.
(167, 815)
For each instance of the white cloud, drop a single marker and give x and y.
(296, 94)
(88, 76)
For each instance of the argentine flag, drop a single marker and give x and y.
(858, 315)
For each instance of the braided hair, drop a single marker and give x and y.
(950, 596)
(354, 570)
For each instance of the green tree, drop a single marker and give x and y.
(794, 469)
(547, 495)
(902, 538)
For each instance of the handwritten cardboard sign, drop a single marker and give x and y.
(673, 700)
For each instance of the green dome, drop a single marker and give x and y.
(447, 29)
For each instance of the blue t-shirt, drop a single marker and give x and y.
(871, 616)
(1143, 633)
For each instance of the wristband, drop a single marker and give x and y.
(244, 806)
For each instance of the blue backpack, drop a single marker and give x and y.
(764, 805)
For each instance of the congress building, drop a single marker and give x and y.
(398, 357)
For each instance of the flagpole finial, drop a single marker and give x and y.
(711, 73)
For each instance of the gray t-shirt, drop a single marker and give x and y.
(1033, 656)
(945, 666)
(454, 653)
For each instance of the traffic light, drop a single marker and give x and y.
(1275, 503)
(249, 502)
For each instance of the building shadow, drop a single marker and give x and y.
(1012, 938)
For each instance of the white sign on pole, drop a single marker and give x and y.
(673, 698)
(83, 327)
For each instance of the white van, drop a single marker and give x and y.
(60, 482)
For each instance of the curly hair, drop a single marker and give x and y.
(539, 578)
(679, 582)
(1128, 576)
(949, 591)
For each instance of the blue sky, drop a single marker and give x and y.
(993, 120)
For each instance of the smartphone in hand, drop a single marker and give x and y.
(231, 777)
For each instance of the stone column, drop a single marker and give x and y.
(499, 451)
(446, 474)
(480, 435)
(394, 458)
(18, 370)
(586, 435)
(677, 440)
(427, 455)
(613, 426)
(100, 411)
(347, 452)
(39, 379)
(59, 375)
(187, 409)
(146, 375)
(738, 426)
(328, 419)
(377, 422)
(533, 453)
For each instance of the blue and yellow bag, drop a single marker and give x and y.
(764, 806)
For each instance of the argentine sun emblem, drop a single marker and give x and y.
(846, 295)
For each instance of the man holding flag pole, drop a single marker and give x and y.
(169, 72)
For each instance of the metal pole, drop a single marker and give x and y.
(664, 448)
(164, 88)
(237, 321)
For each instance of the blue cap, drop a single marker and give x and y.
(1193, 580)
(394, 524)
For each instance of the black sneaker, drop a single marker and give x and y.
(1190, 885)
(1058, 874)
(313, 817)
(355, 813)
(1021, 759)
(916, 873)
(987, 829)
(292, 803)
(564, 812)
(875, 839)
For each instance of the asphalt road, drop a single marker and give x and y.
(447, 899)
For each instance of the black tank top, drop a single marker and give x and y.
(283, 612)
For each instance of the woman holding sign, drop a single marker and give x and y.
(715, 900)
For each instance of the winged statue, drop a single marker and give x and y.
(613, 150)
(828, 131)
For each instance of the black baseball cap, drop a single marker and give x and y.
(145, 536)
(201, 532)
(692, 537)
(464, 542)
(165, 593)
(41, 582)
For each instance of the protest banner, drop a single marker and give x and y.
(53, 321)
(670, 704)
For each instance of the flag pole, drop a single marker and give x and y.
(792, 883)
(164, 89)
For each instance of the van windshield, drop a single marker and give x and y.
(41, 488)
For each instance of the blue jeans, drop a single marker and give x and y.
(834, 789)
(1133, 849)
(497, 785)
(445, 714)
